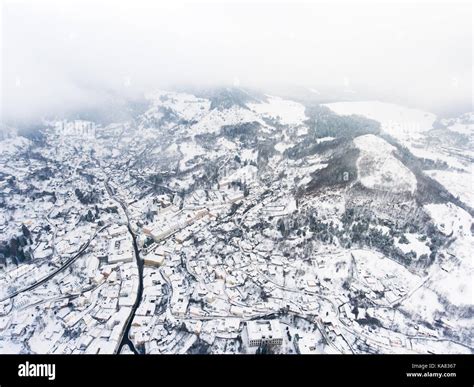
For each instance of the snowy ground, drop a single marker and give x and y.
(401, 122)
(458, 183)
(13, 145)
(215, 119)
(186, 106)
(449, 218)
(415, 244)
(457, 284)
(288, 112)
(379, 169)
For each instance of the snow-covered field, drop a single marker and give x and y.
(436, 155)
(457, 283)
(449, 218)
(189, 150)
(424, 303)
(458, 183)
(215, 119)
(186, 106)
(282, 146)
(379, 169)
(288, 112)
(371, 264)
(463, 124)
(401, 122)
(414, 244)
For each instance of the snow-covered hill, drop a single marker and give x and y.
(285, 111)
(379, 169)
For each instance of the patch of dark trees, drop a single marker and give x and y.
(16, 248)
(90, 197)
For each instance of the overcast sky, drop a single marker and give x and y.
(69, 54)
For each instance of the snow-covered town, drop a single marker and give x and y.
(233, 222)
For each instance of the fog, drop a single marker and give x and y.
(63, 56)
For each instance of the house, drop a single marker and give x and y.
(264, 332)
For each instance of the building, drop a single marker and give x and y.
(92, 264)
(149, 248)
(307, 344)
(117, 230)
(154, 260)
(120, 250)
(264, 332)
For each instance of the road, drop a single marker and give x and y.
(68, 263)
(125, 339)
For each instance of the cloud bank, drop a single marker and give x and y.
(59, 56)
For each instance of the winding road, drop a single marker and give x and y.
(68, 263)
(125, 339)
